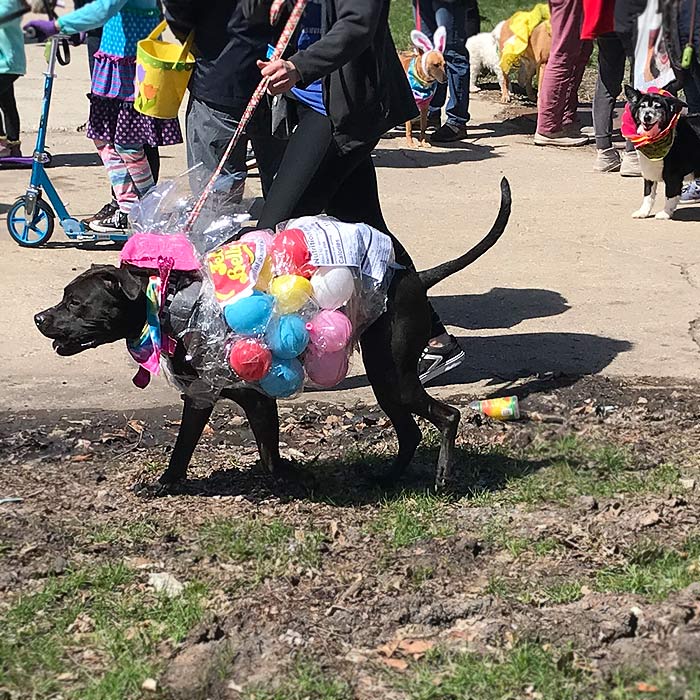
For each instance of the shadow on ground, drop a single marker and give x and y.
(353, 480)
(459, 152)
(75, 160)
(498, 308)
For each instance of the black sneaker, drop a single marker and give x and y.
(119, 221)
(448, 133)
(436, 361)
(107, 212)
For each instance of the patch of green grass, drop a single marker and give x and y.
(491, 12)
(113, 645)
(653, 570)
(266, 548)
(133, 533)
(572, 467)
(524, 671)
(306, 681)
(498, 586)
(412, 518)
(563, 593)
(496, 533)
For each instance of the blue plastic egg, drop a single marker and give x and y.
(287, 337)
(250, 315)
(284, 379)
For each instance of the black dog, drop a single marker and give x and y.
(654, 111)
(107, 303)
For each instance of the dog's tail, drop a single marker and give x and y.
(431, 277)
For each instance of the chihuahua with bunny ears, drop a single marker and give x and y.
(425, 68)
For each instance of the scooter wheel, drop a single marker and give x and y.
(30, 233)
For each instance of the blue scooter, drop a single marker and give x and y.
(31, 218)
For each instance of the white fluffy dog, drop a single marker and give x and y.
(483, 55)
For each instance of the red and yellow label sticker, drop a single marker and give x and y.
(234, 269)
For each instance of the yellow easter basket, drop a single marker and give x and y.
(162, 73)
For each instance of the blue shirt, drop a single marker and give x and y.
(310, 33)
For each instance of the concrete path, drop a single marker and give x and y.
(574, 286)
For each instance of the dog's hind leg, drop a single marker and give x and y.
(194, 420)
(673, 197)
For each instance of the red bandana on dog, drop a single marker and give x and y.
(654, 143)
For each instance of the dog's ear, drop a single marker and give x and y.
(440, 39)
(677, 104)
(119, 279)
(421, 41)
(633, 96)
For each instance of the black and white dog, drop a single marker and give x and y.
(675, 157)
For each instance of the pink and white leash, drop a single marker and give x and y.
(280, 48)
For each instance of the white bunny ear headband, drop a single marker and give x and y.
(425, 46)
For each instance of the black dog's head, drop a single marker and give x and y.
(652, 109)
(104, 304)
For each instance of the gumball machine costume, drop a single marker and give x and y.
(271, 311)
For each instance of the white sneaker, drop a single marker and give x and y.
(560, 139)
(629, 167)
(607, 161)
(690, 194)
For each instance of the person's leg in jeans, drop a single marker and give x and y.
(209, 131)
(611, 72)
(562, 73)
(456, 18)
(453, 16)
(8, 108)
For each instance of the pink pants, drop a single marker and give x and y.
(558, 99)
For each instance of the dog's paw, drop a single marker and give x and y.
(426, 144)
(663, 215)
(506, 100)
(153, 489)
(641, 214)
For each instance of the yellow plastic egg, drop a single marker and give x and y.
(291, 292)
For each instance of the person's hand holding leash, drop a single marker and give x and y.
(282, 75)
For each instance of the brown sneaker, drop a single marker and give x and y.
(559, 138)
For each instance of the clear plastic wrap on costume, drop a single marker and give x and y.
(274, 311)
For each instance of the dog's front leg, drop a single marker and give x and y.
(409, 134)
(644, 212)
(261, 412)
(505, 89)
(424, 126)
(194, 420)
(673, 197)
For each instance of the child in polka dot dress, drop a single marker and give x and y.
(118, 130)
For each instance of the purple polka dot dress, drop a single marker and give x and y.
(112, 115)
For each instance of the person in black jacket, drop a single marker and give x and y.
(345, 87)
(226, 46)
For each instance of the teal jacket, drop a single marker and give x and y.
(12, 58)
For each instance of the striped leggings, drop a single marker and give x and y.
(128, 170)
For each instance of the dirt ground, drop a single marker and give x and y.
(564, 563)
(568, 549)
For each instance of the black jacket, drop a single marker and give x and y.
(227, 46)
(365, 89)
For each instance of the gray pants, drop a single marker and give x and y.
(209, 131)
(613, 50)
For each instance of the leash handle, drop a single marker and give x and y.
(280, 48)
(688, 51)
